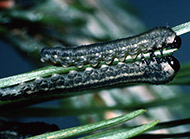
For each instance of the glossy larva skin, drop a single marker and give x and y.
(95, 53)
(157, 71)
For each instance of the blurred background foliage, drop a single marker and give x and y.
(30, 25)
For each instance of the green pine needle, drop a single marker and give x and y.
(123, 133)
(89, 127)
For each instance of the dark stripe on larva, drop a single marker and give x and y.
(93, 54)
(157, 71)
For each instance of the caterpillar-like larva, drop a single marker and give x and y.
(155, 39)
(157, 71)
(19, 130)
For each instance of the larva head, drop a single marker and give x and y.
(176, 43)
(169, 69)
(172, 40)
(162, 70)
(174, 63)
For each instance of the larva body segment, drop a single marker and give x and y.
(95, 53)
(158, 71)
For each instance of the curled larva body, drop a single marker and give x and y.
(93, 54)
(157, 71)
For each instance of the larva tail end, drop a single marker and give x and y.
(43, 52)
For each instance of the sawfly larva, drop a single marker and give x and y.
(154, 39)
(159, 70)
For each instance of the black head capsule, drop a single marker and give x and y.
(176, 43)
(174, 63)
